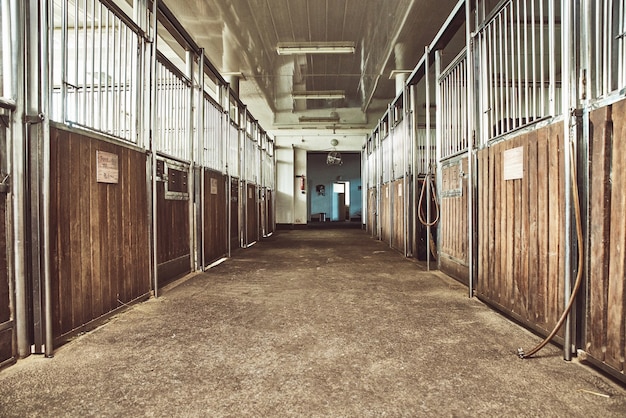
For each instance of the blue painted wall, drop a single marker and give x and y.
(321, 174)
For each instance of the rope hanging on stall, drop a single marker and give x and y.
(420, 204)
(579, 236)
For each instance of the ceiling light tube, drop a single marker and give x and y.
(319, 94)
(291, 48)
(318, 119)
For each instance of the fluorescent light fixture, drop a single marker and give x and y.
(319, 94)
(319, 119)
(291, 48)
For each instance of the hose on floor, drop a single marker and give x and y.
(579, 236)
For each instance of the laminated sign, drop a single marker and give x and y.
(107, 167)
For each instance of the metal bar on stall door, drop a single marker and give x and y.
(427, 181)
(107, 101)
(18, 151)
(414, 159)
(202, 119)
(501, 100)
(606, 47)
(92, 107)
(191, 182)
(155, 132)
(64, 46)
(469, 130)
(552, 49)
(44, 57)
(566, 50)
(438, 150)
(505, 83)
(525, 56)
(100, 103)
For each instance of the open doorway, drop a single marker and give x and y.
(341, 201)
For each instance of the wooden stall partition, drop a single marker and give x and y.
(235, 241)
(270, 212)
(7, 329)
(385, 213)
(397, 227)
(215, 219)
(252, 220)
(371, 212)
(520, 227)
(100, 233)
(453, 225)
(605, 336)
(173, 243)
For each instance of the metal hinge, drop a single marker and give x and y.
(5, 186)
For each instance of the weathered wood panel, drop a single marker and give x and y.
(397, 227)
(252, 219)
(270, 211)
(7, 335)
(99, 237)
(606, 323)
(385, 213)
(453, 232)
(173, 243)
(235, 240)
(371, 212)
(521, 230)
(215, 218)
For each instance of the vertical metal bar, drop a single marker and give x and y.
(107, 102)
(468, 118)
(44, 69)
(501, 105)
(606, 42)
(491, 82)
(100, 102)
(201, 128)
(518, 82)
(565, 92)
(526, 57)
(533, 48)
(84, 63)
(76, 60)
(507, 80)
(155, 132)
(64, 64)
(438, 111)
(542, 51)
(553, 49)
(18, 152)
(92, 107)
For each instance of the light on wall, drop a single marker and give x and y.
(319, 94)
(291, 48)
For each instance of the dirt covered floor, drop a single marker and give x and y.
(323, 323)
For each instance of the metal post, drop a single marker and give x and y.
(428, 144)
(471, 181)
(567, 126)
(153, 145)
(18, 191)
(414, 151)
(200, 155)
(438, 131)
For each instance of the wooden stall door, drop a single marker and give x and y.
(173, 244)
(215, 219)
(371, 212)
(252, 224)
(520, 234)
(99, 228)
(385, 213)
(270, 212)
(397, 240)
(234, 214)
(453, 225)
(605, 336)
(7, 328)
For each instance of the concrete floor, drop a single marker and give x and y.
(308, 323)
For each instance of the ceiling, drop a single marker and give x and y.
(241, 36)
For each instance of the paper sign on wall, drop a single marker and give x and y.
(107, 170)
(513, 163)
(213, 186)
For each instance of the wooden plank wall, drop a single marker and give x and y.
(99, 237)
(6, 335)
(173, 244)
(270, 212)
(234, 214)
(385, 213)
(215, 219)
(520, 229)
(371, 211)
(605, 338)
(397, 189)
(453, 225)
(252, 220)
